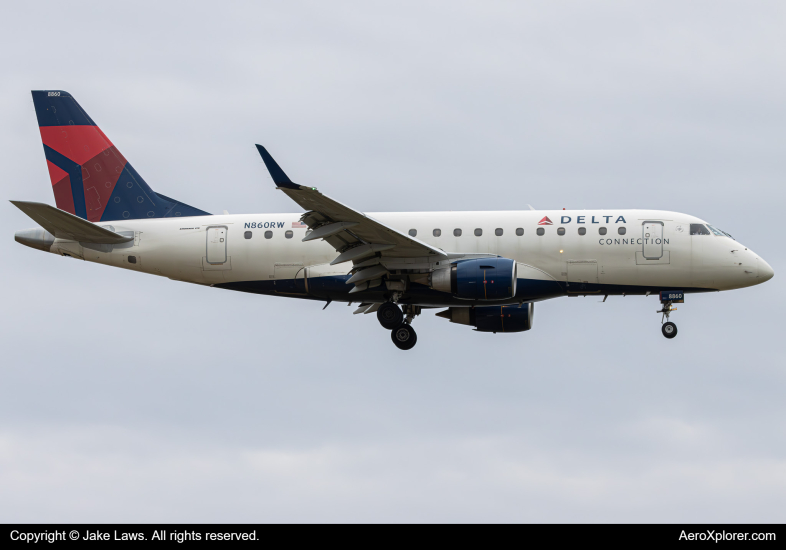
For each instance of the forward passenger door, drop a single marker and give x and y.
(652, 240)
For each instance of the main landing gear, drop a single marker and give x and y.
(404, 337)
(668, 299)
(392, 318)
(390, 315)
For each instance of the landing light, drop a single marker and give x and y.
(560, 251)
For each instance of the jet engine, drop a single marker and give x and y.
(515, 318)
(479, 279)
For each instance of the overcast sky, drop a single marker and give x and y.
(128, 397)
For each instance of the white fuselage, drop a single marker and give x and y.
(186, 249)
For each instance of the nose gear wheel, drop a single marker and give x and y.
(669, 330)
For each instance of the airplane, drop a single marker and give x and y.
(485, 270)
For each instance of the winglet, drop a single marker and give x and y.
(278, 175)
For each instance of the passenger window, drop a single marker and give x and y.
(478, 232)
(268, 234)
(582, 230)
(540, 231)
(561, 231)
(457, 232)
(698, 229)
(247, 234)
(288, 234)
(621, 230)
(498, 232)
(519, 231)
(602, 230)
(413, 232)
(437, 232)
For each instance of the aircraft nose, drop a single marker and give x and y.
(765, 271)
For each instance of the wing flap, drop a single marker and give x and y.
(325, 231)
(367, 274)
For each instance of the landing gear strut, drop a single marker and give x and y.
(668, 299)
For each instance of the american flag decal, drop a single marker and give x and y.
(299, 225)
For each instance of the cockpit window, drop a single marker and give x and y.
(719, 232)
(716, 232)
(698, 229)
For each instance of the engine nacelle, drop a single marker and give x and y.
(480, 279)
(516, 318)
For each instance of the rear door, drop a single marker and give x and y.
(652, 240)
(216, 245)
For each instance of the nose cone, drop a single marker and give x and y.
(35, 238)
(765, 271)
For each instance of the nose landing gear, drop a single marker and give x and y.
(668, 299)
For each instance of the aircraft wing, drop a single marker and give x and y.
(354, 235)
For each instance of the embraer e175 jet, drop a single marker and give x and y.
(484, 269)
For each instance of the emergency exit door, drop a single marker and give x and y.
(652, 240)
(216, 245)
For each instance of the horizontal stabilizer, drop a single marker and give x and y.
(68, 226)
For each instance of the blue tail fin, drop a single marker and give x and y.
(90, 177)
